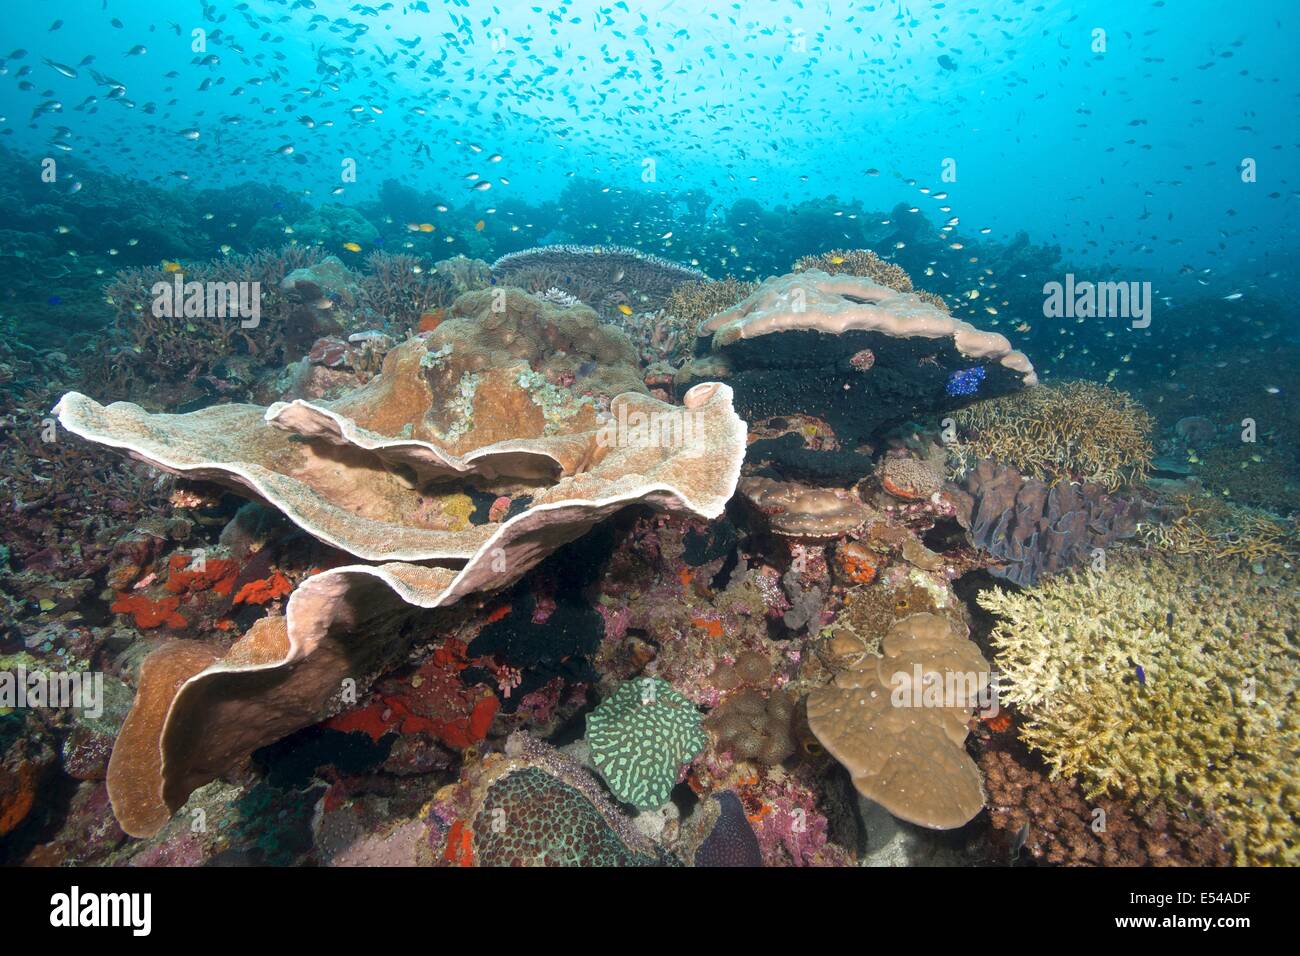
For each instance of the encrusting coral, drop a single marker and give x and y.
(1067, 432)
(1168, 678)
(897, 721)
(640, 737)
(355, 474)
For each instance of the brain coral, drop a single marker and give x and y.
(529, 818)
(1073, 431)
(1166, 677)
(640, 736)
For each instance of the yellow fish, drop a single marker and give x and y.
(837, 260)
(425, 227)
(169, 266)
(625, 308)
(351, 247)
(478, 226)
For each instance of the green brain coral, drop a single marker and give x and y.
(1168, 678)
(639, 738)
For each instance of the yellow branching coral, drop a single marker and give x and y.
(693, 302)
(1071, 431)
(858, 262)
(1211, 527)
(1165, 678)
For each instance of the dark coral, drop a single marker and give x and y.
(731, 841)
(1051, 822)
(1031, 528)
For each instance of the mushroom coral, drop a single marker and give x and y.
(354, 473)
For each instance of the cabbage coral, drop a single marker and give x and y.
(1073, 431)
(1165, 678)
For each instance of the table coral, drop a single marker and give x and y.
(640, 736)
(1166, 678)
(353, 473)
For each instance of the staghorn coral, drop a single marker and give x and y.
(898, 722)
(640, 736)
(1207, 526)
(1168, 678)
(699, 300)
(1071, 431)
(857, 262)
(398, 288)
(357, 474)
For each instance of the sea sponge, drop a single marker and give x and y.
(640, 736)
(1061, 432)
(1165, 677)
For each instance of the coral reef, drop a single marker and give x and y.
(1168, 678)
(825, 323)
(1075, 431)
(640, 736)
(604, 277)
(357, 474)
(1052, 822)
(1207, 526)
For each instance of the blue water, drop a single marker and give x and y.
(1129, 157)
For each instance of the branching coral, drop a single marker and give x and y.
(399, 288)
(1072, 431)
(868, 265)
(1166, 678)
(697, 301)
(1210, 527)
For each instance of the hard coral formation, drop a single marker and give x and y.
(533, 806)
(898, 722)
(1076, 431)
(1165, 678)
(824, 324)
(1051, 821)
(640, 737)
(1207, 526)
(354, 474)
(800, 512)
(604, 277)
